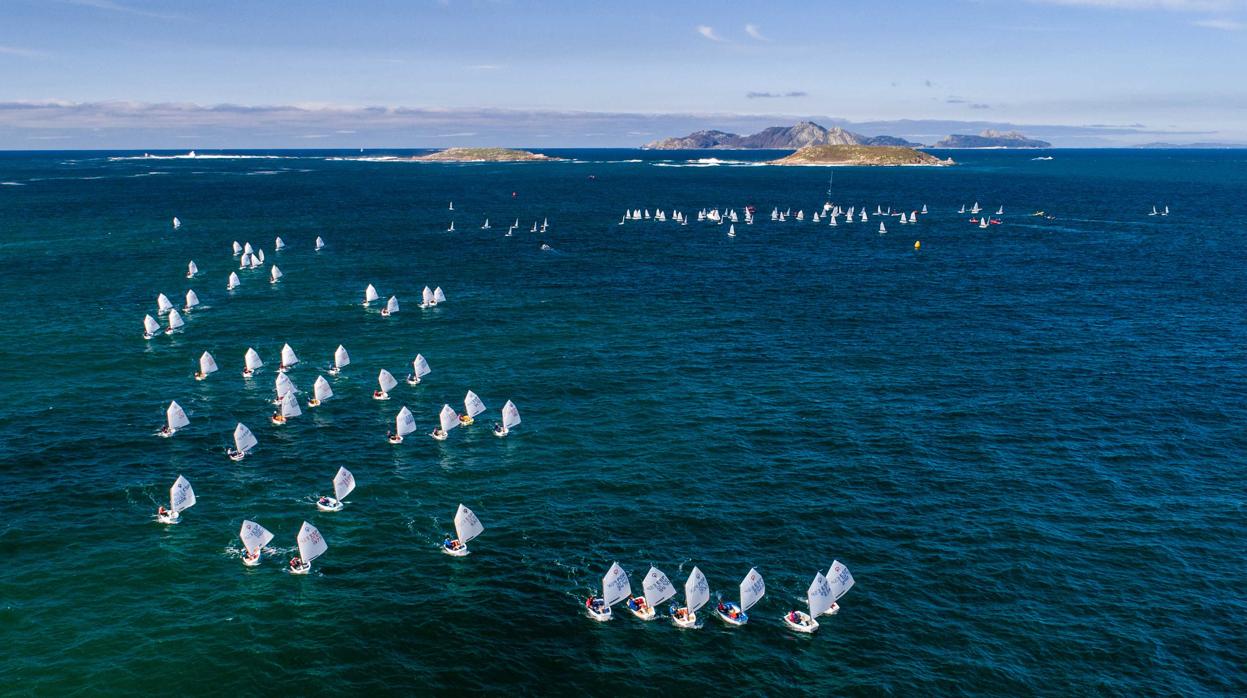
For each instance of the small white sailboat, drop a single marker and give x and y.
(288, 359)
(257, 259)
(181, 498)
(655, 589)
(281, 386)
(486, 226)
(289, 409)
(451, 229)
(311, 546)
(1165, 212)
(191, 269)
(244, 441)
(426, 298)
(150, 327)
(883, 229)
(163, 304)
(452, 206)
(244, 262)
(472, 406)
(252, 361)
(1154, 212)
(615, 588)
(467, 527)
(386, 381)
(279, 244)
(254, 537)
(341, 360)
(447, 420)
(983, 222)
(370, 295)
(962, 209)
(175, 418)
(752, 588)
(237, 248)
(176, 223)
(274, 274)
(1000, 211)
(404, 424)
(175, 322)
(419, 369)
(207, 365)
(841, 581)
(696, 594)
(320, 392)
(192, 300)
(731, 230)
(924, 209)
(247, 248)
(233, 281)
(320, 243)
(510, 419)
(343, 484)
(391, 307)
(818, 596)
(438, 296)
(975, 208)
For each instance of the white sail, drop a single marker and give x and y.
(191, 269)
(404, 423)
(163, 303)
(320, 242)
(254, 536)
(340, 358)
(391, 306)
(448, 419)
(657, 587)
(467, 526)
(278, 243)
(752, 588)
(244, 440)
(290, 406)
(882, 228)
(510, 415)
(247, 248)
(244, 261)
(176, 416)
(840, 579)
(1000, 211)
(288, 357)
(259, 255)
(181, 496)
(257, 261)
(696, 590)
(150, 325)
(175, 320)
(253, 359)
(819, 595)
(472, 404)
(283, 385)
(176, 223)
(192, 299)
(615, 585)
(311, 544)
(420, 367)
(237, 247)
(275, 273)
(233, 281)
(426, 296)
(343, 484)
(370, 294)
(207, 364)
(438, 296)
(386, 380)
(321, 389)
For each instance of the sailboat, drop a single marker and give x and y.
(386, 381)
(279, 244)
(175, 322)
(181, 498)
(320, 243)
(962, 209)
(731, 231)
(253, 363)
(510, 418)
(391, 307)
(486, 226)
(1165, 212)
(289, 408)
(447, 420)
(233, 281)
(192, 300)
(864, 218)
(248, 249)
(191, 269)
(983, 222)
(150, 327)
(288, 359)
(426, 298)
(655, 588)
(340, 360)
(615, 588)
(320, 392)
(207, 365)
(818, 596)
(163, 304)
(438, 296)
(311, 546)
(903, 220)
(451, 229)
(257, 258)
(696, 594)
(244, 441)
(343, 484)
(883, 230)
(254, 538)
(841, 581)
(237, 248)
(370, 295)
(175, 418)
(244, 262)
(1000, 211)
(467, 527)
(419, 369)
(176, 223)
(404, 424)
(472, 406)
(975, 208)
(534, 227)
(274, 274)
(752, 588)
(924, 209)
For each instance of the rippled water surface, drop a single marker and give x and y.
(1027, 443)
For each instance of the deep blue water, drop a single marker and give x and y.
(1027, 443)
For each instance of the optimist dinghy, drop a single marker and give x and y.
(311, 546)
(419, 369)
(341, 360)
(391, 307)
(472, 406)
(191, 270)
(841, 581)
(175, 418)
(288, 359)
(404, 424)
(386, 382)
(696, 594)
(818, 596)
(207, 365)
(447, 420)
(467, 527)
(656, 589)
(233, 281)
(151, 328)
(254, 538)
(510, 418)
(343, 484)
(370, 295)
(244, 441)
(615, 588)
(253, 363)
(181, 498)
(320, 392)
(752, 588)
(175, 322)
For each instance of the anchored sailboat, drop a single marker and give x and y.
(311, 546)
(254, 538)
(467, 527)
(615, 588)
(181, 498)
(343, 484)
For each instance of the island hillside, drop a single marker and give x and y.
(859, 155)
(482, 155)
(776, 137)
(992, 139)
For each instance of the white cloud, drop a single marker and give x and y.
(755, 32)
(1228, 25)
(709, 33)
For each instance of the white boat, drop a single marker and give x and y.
(207, 365)
(191, 270)
(278, 245)
(163, 304)
(962, 209)
(752, 588)
(426, 298)
(404, 424)
(257, 259)
(370, 295)
(288, 358)
(175, 418)
(386, 381)
(883, 230)
(343, 484)
(176, 223)
(841, 581)
(696, 594)
(467, 527)
(983, 222)
(510, 419)
(175, 322)
(419, 369)
(818, 596)
(320, 243)
(274, 274)
(244, 262)
(1000, 211)
(311, 546)
(341, 360)
(975, 208)
(452, 206)
(247, 248)
(1165, 212)
(924, 209)
(655, 589)
(391, 307)
(438, 296)
(233, 281)
(451, 229)
(486, 226)
(864, 218)
(615, 588)
(903, 220)
(237, 248)
(320, 392)
(281, 386)
(289, 409)
(731, 230)
(150, 327)
(447, 420)
(244, 441)
(254, 537)
(252, 361)
(181, 498)
(472, 406)
(192, 300)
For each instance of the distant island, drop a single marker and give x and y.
(992, 139)
(1200, 146)
(883, 155)
(799, 135)
(482, 155)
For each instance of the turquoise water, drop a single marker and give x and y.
(1026, 443)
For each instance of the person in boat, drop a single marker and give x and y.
(166, 431)
(312, 402)
(498, 428)
(438, 433)
(279, 418)
(323, 501)
(378, 393)
(452, 544)
(295, 563)
(250, 556)
(637, 603)
(465, 419)
(595, 604)
(161, 511)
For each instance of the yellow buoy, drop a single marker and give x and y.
(917, 244)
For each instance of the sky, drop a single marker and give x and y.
(152, 74)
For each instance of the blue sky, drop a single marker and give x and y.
(156, 73)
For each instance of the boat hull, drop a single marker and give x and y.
(803, 624)
(333, 505)
(302, 569)
(601, 617)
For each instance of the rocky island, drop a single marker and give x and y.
(992, 139)
(882, 155)
(482, 155)
(776, 137)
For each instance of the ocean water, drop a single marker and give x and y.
(1027, 443)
